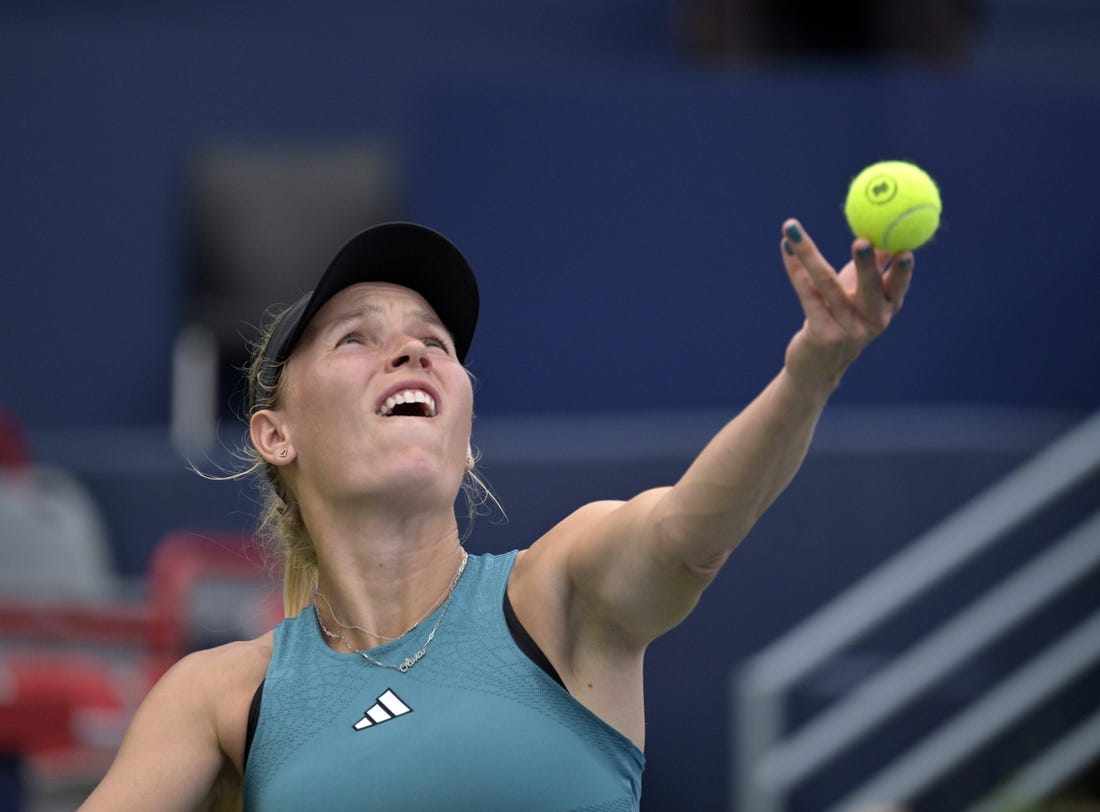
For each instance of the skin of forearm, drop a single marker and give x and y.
(740, 473)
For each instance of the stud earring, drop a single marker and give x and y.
(282, 452)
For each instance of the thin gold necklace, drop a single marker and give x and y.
(408, 662)
(352, 627)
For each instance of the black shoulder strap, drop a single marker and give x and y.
(525, 642)
(253, 719)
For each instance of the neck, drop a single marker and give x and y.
(383, 575)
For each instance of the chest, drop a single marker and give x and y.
(418, 744)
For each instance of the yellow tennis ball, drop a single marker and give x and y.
(895, 205)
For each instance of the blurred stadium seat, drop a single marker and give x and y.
(73, 671)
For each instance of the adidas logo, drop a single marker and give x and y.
(386, 707)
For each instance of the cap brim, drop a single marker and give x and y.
(406, 254)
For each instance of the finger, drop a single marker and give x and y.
(898, 277)
(870, 286)
(813, 306)
(801, 250)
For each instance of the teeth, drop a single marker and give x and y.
(408, 396)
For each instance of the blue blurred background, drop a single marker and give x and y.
(617, 172)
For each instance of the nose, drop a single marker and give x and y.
(412, 353)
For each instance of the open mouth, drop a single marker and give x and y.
(408, 403)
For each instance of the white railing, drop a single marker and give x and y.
(770, 761)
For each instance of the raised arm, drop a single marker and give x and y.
(641, 565)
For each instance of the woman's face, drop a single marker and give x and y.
(374, 400)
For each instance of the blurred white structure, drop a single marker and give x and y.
(773, 761)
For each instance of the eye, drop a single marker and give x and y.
(437, 342)
(350, 338)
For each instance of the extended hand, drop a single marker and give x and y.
(844, 311)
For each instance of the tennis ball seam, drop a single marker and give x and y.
(897, 221)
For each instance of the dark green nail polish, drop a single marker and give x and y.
(794, 233)
(905, 264)
(787, 248)
(864, 252)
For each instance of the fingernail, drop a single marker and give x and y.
(864, 252)
(905, 264)
(794, 233)
(787, 248)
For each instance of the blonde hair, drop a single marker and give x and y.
(280, 526)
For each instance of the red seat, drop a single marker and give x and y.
(73, 673)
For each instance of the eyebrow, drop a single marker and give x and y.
(427, 318)
(353, 315)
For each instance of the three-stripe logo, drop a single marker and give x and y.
(388, 706)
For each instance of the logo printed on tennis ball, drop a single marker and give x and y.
(894, 204)
(881, 189)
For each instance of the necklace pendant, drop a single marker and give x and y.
(411, 661)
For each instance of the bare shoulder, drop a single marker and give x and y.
(210, 672)
(539, 582)
(229, 675)
(577, 525)
(540, 577)
(243, 659)
(585, 544)
(217, 685)
(203, 701)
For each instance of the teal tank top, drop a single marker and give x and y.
(474, 725)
